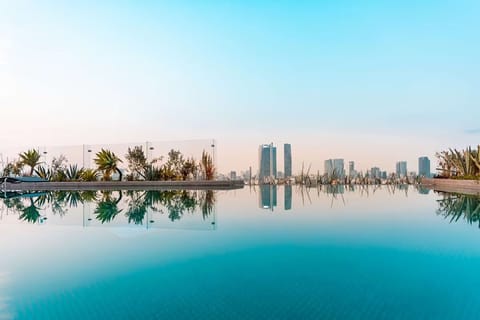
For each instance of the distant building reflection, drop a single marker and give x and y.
(268, 197)
(288, 197)
(335, 189)
(423, 190)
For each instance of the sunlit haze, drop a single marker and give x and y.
(371, 81)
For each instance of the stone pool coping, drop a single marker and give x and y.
(123, 185)
(471, 187)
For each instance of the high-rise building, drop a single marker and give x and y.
(376, 173)
(351, 169)
(335, 167)
(384, 175)
(233, 175)
(424, 167)
(287, 160)
(401, 169)
(328, 165)
(267, 160)
(339, 166)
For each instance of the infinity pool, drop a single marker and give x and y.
(255, 253)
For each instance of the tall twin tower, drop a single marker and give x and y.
(267, 161)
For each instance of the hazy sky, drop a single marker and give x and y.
(371, 81)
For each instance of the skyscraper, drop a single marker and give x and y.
(339, 166)
(401, 169)
(328, 165)
(376, 173)
(267, 160)
(336, 166)
(424, 167)
(287, 160)
(351, 169)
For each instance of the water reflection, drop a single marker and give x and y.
(107, 209)
(268, 197)
(456, 206)
(196, 209)
(288, 197)
(133, 207)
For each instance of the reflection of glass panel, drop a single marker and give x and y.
(138, 209)
(268, 196)
(288, 197)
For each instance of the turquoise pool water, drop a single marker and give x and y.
(272, 253)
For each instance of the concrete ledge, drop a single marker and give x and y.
(471, 187)
(123, 185)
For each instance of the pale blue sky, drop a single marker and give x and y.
(371, 81)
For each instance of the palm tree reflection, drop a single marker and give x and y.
(456, 206)
(31, 213)
(138, 204)
(107, 209)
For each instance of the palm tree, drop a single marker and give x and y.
(107, 162)
(30, 158)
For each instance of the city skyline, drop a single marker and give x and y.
(374, 83)
(235, 159)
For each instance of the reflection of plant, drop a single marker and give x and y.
(30, 213)
(455, 206)
(153, 199)
(14, 204)
(59, 202)
(207, 203)
(73, 198)
(177, 202)
(139, 203)
(89, 196)
(107, 209)
(137, 207)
